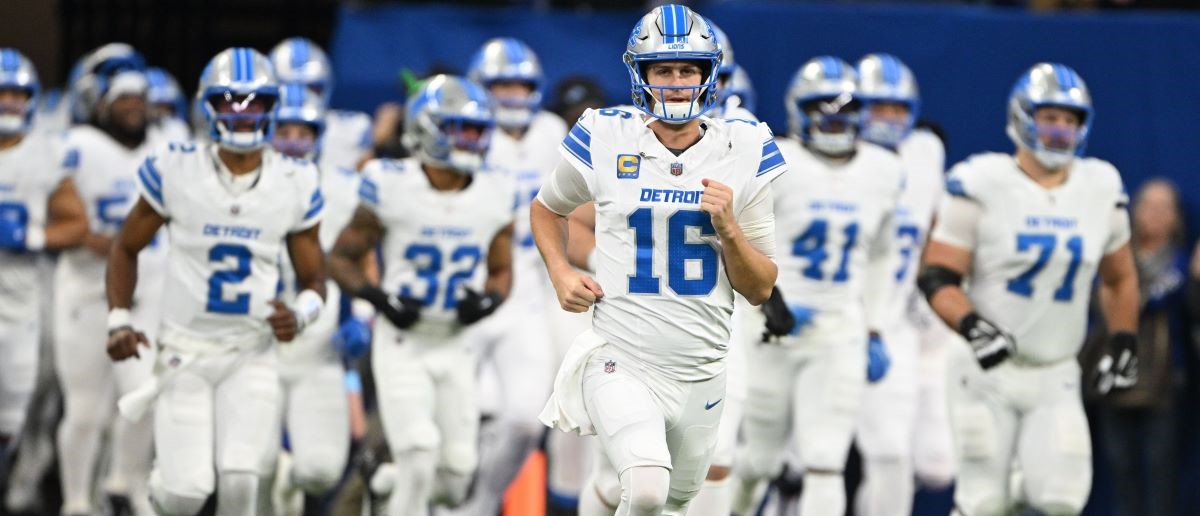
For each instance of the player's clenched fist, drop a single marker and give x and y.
(283, 322)
(123, 343)
(717, 201)
(576, 291)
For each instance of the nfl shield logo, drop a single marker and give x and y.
(677, 169)
(610, 366)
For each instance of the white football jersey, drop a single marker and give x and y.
(105, 174)
(667, 297)
(170, 129)
(1036, 250)
(30, 172)
(529, 160)
(924, 160)
(829, 217)
(223, 267)
(346, 140)
(436, 242)
(340, 188)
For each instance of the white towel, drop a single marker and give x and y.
(565, 410)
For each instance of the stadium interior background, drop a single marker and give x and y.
(1138, 57)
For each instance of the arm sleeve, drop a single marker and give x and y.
(150, 186)
(368, 186)
(957, 220)
(1119, 231)
(758, 222)
(565, 189)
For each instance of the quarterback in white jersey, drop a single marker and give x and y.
(444, 227)
(40, 210)
(886, 429)
(107, 152)
(683, 220)
(347, 135)
(515, 346)
(231, 208)
(837, 213)
(1031, 232)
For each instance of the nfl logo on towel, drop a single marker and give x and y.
(677, 169)
(610, 366)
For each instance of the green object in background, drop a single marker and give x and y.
(412, 83)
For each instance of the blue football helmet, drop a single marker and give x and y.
(164, 90)
(725, 69)
(508, 59)
(822, 110)
(300, 105)
(89, 78)
(300, 60)
(1049, 84)
(883, 78)
(17, 73)
(738, 90)
(239, 96)
(673, 33)
(448, 124)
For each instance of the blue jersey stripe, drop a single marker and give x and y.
(770, 162)
(582, 135)
(579, 151)
(152, 188)
(154, 173)
(314, 209)
(368, 192)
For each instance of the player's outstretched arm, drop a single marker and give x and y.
(359, 237)
(67, 225)
(120, 277)
(576, 291)
(751, 272)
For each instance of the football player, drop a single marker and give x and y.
(108, 148)
(515, 344)
(167, 106)
(231, 207)
(824, 324)
(683, 220)
(444, 226)
(347, 140)
(40, 210)
(1031, 231)
(316, 416)
(887, 425)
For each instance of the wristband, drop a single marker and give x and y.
(119, 318)
(35, 238)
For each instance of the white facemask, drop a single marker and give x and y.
(676, 112)
(513, 117)
(1053, 160)
(12, 123)
(240, 142)
(466, 162)
(832, 144)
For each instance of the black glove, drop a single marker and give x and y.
(1119, 368)
(402, 311)
(990, 344)
(475, 306)
(780, 320)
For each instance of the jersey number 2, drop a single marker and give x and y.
(679, 252)
(216, 283)
(1046, 242)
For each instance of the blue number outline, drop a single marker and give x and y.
(216, 282)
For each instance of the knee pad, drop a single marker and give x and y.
(171, 502)
(752, 464)
(316, 474)
(976, 435)
(237, 491)
(608, 487)
(644, 489)
(461, 458)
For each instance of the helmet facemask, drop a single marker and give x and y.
(240, 122)
(514, 110)
(676, 104)
(888, 131)
(831, 124)
(1054, 146)
(16, 110)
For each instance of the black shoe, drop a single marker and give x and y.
(119, 505)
